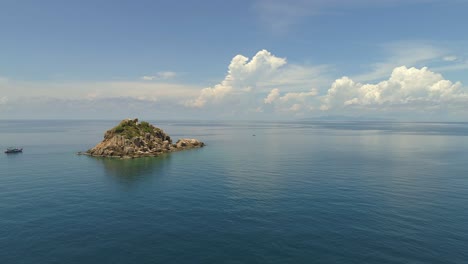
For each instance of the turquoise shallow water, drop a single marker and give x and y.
(297, 192)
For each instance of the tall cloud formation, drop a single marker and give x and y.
(242, 76)
(407, 88)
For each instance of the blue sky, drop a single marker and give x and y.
(234, 59)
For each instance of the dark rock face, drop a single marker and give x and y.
(132, 139)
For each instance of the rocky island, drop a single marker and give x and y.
(133, 139)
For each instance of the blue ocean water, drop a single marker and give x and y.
(296, 192)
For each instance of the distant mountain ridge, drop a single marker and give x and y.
(346, 118)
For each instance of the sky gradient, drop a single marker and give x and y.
(260, 59)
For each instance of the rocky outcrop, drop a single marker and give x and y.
(133, 139)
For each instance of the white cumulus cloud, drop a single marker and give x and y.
(295, 107)
(241, 77)
(298, 96)
(275, 96)
(291, 101)
(272, 96)
(406, 88)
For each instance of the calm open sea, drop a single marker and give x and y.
(297, 192)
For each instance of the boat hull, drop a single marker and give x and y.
(11, 151)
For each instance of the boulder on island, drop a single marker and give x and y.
(133, 139)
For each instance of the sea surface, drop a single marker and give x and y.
(259, 192)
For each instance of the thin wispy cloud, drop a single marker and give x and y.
(408, 53)
(98, 90)
(165, 75)
(450, 58)
(459, 66)
(279, 16)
